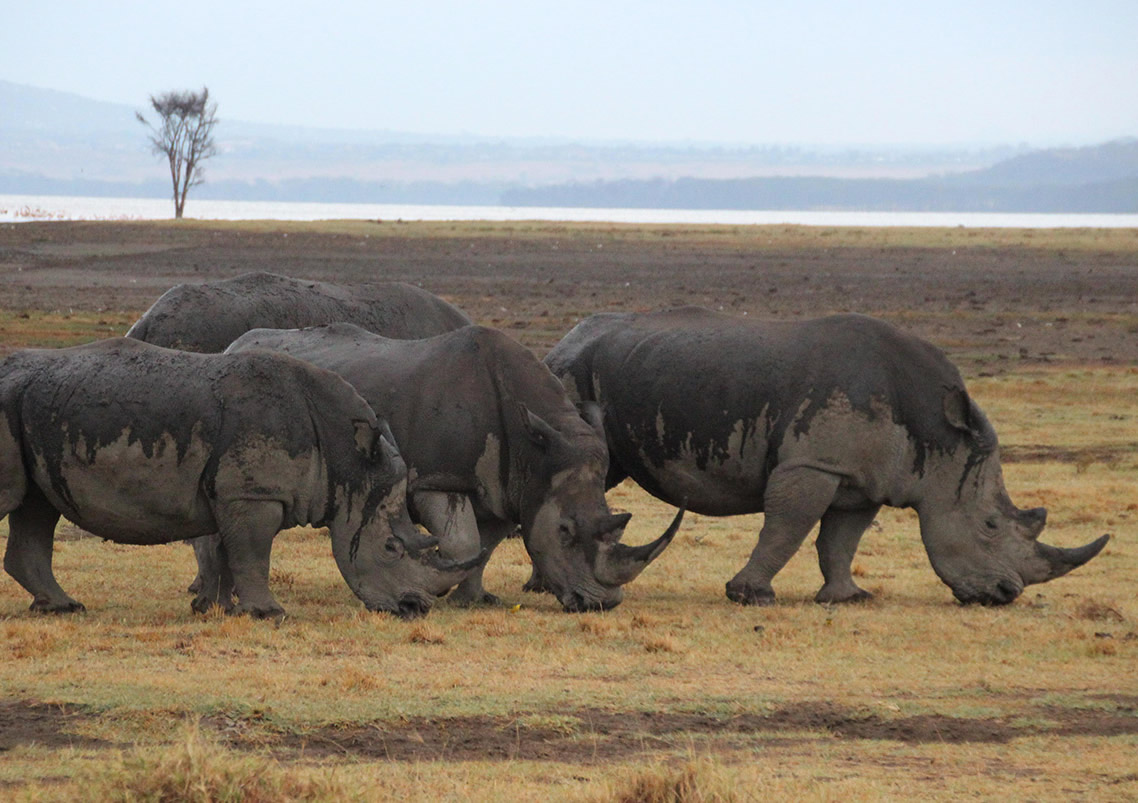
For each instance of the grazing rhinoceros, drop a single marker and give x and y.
(208, 317)
(824, 420)
(145, 445)
(491, 442)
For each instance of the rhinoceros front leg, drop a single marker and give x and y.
(450, 518)
(247, 528)
(214, 581)
(796, 498)
(837, 543)
(31, 538)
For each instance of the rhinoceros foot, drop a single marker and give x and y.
(47, 606)
(273, 612)
(477, 599)
(536, 583)
(747, 594)
(202, 604)
(834, 595)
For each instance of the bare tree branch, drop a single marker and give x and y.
(183, 133)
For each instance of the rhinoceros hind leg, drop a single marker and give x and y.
(247, 528)
(795, 499)
(31, 537)
(536, 583)
(214, 580)
(837, 543)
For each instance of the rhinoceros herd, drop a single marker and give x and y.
(235, 409)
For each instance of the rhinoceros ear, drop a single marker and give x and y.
(536, 428)
(367, 435)
(958, 409)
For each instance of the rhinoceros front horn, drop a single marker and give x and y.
(619, 563)
(1060, 560)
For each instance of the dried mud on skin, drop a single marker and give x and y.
(588, 736)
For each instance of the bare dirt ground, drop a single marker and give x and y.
(992, 308)
(599, 735)
(988, 306)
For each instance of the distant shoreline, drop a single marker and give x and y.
(23, 208)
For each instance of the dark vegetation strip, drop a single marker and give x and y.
(588, 736)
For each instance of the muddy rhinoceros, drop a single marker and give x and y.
(145, 445)
(823, 420)
(208, 317)
(491, 442)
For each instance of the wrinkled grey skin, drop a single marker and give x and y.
(145, 445)
(208, 317)
(824, 420)
(491, 442)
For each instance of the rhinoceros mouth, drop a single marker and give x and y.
(407, 607)
(1002, 592)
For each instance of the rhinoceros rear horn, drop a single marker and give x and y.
(415, 542)
(1061, 560)
(438, 562)
(611, 527)
(618, 563)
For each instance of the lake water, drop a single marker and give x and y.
(17, 208)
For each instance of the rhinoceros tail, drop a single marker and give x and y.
(13, 477)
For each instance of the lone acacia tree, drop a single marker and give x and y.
(183, 133)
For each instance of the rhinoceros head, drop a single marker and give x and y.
(570, 533)
(980, 544)
(387, 562)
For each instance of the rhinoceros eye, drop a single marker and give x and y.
(566, 533)
(393, 547)
(991, 525)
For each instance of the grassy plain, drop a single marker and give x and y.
(677, 693)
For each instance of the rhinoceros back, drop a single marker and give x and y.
(150, 427)
(694, 384)
(208, 317)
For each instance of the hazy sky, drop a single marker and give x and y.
(824, 72)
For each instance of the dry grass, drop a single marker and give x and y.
(1046, 667)
(751, 237)
(694, 782)
(196, 769)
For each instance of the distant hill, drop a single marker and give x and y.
(1100, 179)
(1112, 161)
(60, 143)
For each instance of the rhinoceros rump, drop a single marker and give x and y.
(824, 420)
(491, 442)
(145, 445)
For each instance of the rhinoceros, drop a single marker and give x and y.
(208, 317)
(491, 442)
(145, 445)
(821, 420)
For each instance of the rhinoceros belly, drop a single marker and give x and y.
(129, 492)
(715, 476)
